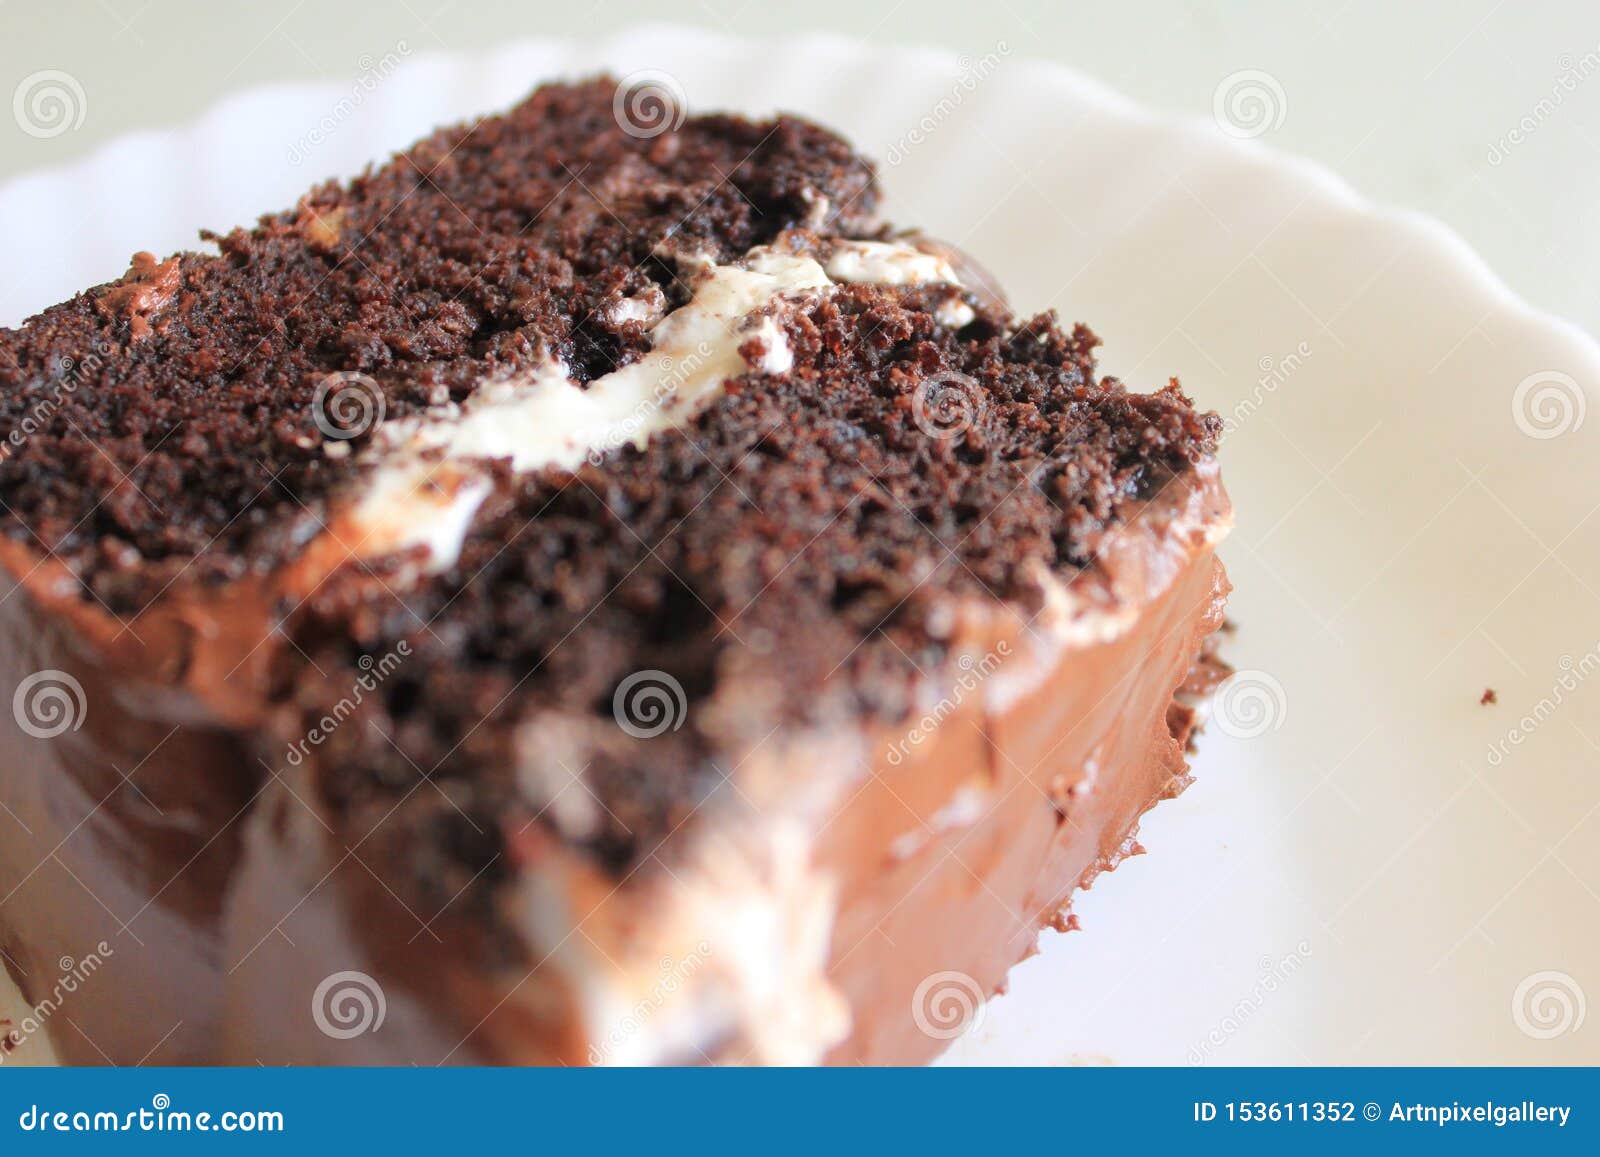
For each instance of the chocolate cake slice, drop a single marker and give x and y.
(577, 594)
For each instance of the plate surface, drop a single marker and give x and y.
(1373, 866)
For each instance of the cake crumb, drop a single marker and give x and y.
(1488, 697)
(142, 292)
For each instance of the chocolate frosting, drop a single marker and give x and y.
(138, 819)
(944, 855)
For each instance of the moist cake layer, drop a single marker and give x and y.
(676, 493)
(166, 427)
(792, 557)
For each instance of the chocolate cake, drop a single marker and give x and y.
(577, 594)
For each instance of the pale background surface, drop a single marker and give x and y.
(1409, 101)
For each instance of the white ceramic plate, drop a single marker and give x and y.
(1373, 867)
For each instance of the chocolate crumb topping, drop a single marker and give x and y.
(194, 447)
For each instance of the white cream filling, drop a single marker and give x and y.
(953, 313)
(409, 502)
(423, 493)
(648, 306)
(776, 356)
(888, 263)
(756, 917)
